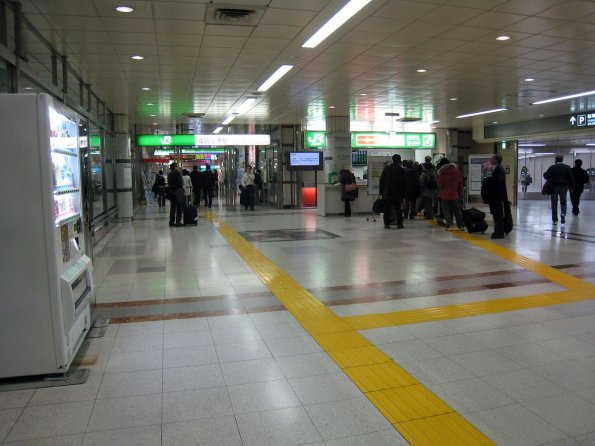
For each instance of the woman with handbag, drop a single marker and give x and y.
(348, 189)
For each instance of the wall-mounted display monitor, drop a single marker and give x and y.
(305, 160)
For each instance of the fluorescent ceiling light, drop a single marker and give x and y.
(422, 70)
(228, 119)
(217, 130)
(146, 88)
(531, 145)
(124, 9)
(344, 14)
(331, 106)
(562, 98)
(150, 103)
(482, 112)
(529, 79)
(502, 38)
(454, 99)
(137, 57)
(281, 71)
(591, 144)
(246, 105)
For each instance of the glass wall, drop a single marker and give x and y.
(97, 192)
(109, 156)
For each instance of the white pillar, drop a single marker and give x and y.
(337, 154)
(123, 167)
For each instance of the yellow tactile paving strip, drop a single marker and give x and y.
(420, 416)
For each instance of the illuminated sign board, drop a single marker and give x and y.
(314, 140)
(393, 140)
(378, 140)
(583, 119)
(202, 140)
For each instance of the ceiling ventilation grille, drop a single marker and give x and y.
(233, 15)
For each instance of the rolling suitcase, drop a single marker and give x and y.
(191, 215)
(474, 220)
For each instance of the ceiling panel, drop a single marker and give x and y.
(213, 67)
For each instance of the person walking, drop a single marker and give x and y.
(159, 188)
(349, 190)
(450, 187)
(392, 190)
(498, 196)
(208, 184)
(580, 177)
(196, 178)
(560, 175)
(248, 185)
(175, 185)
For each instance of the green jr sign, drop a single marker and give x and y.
(315, 140)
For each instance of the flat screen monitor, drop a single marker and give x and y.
(305, 160)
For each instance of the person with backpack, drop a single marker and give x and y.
(428, 183)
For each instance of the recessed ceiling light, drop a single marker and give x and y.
(152, 116)
(146, 88)
(137, 57)
(331, 106)
(124, 9)
(150, 103)
(422, 70)
(454, 99)
(494, 122)
(502, 38)
(529, 79)
(27, 88)
(363, 94)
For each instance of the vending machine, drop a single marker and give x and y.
(46, 280)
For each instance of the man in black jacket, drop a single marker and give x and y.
(580, 177)
(208, 184)
(175, 185)
(392, 189)
(499, 196)
(560, 175)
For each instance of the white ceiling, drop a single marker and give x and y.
(365, 69)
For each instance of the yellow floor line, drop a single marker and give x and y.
(419, 415)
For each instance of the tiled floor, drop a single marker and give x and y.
(214, 357)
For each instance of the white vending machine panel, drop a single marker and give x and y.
(47, 278)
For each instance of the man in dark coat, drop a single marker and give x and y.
(580, 177)
(392, 189)
(175, 185)
(560, 175)
(208, 184)
(499, 196)
(196, 178)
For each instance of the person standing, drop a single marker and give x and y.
(498, 196)
(349, 190)
(257, 186)
(196, 179)
(428, 182)
(187, 187)
(450, 187)
(412, 190)
(392, 190)
(560, 175)
(175, 184)
(581, 177)
(208, 184)
(248, 184)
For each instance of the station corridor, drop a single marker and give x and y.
(280, 327)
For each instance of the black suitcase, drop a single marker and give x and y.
(474, 220)
(191, 215)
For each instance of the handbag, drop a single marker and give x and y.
(547, 187)
(378, 206)
(350, 187)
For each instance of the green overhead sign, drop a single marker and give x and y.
(377, 140)
(202, 140)
(164, 140)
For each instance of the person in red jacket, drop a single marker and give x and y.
(450, 187)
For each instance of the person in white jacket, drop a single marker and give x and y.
(187, 186)
(248, 183)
